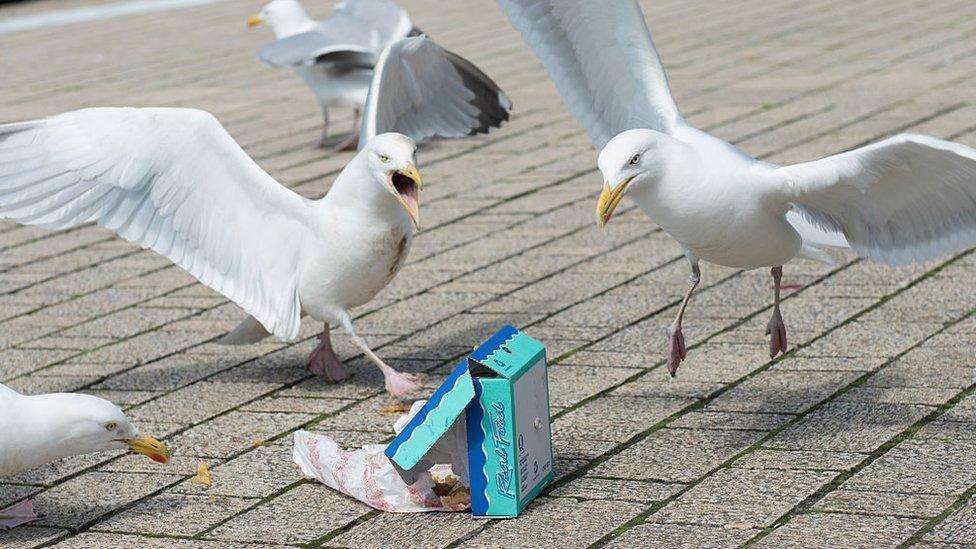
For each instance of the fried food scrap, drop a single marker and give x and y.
(398, 408)
(257, 443)
(203, 475)
(739, 526)
(460, 496)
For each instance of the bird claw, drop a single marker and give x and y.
(676, 349)
(400, 384)
(324, 363)
(17, 514)
(776, 330)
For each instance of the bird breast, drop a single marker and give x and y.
(352, 267)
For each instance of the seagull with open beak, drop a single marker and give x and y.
(39, 429)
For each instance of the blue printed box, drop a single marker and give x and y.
(497, 399)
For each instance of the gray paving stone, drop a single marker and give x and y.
(749, 496)
(255, 474)
(925, 466)
(799, 459)
(85, 498)
(731, 420)
(842, 530)
(234, 432)
(681, 536)
(174, 514)
(293, 517)
(779, 391)
(30, 536)
(884, 503)
(97, 540)
(556, 520)
(676, 455)
(614, 418)
(616, 489)
(849, 426)
(413, 530)
(959, 527)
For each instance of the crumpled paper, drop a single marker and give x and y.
(369, 476)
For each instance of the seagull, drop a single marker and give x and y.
(906, 198)
(336, 57)
(174, 181)
(40, 429)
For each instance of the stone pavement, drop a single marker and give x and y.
(863, 436)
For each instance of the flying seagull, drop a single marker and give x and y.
(40, 429)
(336, 57)
(174, 181)
(906, 198)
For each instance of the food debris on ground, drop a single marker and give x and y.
(398, 408)
(203, 475)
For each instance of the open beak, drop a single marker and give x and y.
(609, 199)
(406, 185)
(254, 21)
(149, 447)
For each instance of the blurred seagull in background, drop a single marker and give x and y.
(906, 198)
(39, 429)
(336, 57)
(174, 181)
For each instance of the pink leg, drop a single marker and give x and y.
(676, 339)
(323, 361)
(17, 514)
(776, 329)
(350, 143)
(398, 384)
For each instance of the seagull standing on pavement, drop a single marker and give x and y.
(174, 181)
(336, 57)
(39, 429)
(906, 198)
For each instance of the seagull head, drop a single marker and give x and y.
(82, 424)
(285, 17)
(391, 160)
(632, 160)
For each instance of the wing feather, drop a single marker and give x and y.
(173, 181)
(421, 90)
(907, 198)
(601, 57)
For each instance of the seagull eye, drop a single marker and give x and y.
(634, 159)
(384, 159)
(110, 426)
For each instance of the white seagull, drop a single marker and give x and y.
(906, 198)
(174, 181)
(39, 429)
(336, 57)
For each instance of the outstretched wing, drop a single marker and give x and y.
(602, 59)
(388, 21)
(422, 90)
(311, 47)
(907, 198)
(170, 180)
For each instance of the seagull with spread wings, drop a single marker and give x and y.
(174, 181)
(906, 198)
(336, 57)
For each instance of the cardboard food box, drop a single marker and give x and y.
(496, 404)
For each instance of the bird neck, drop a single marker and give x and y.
(34, 433)
(292, 23)
(357, 194)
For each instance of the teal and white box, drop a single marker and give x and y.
(496, 403)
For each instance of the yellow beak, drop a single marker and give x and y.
(254, 20)
(608, 201)
(149, 447)
(407, 190)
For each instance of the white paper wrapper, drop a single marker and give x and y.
(368, 475)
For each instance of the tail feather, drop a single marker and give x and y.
(248, 331)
